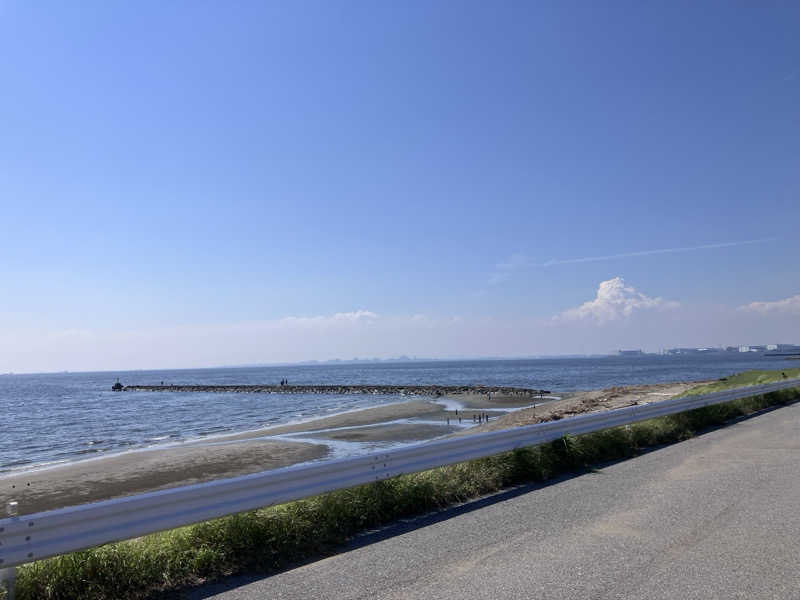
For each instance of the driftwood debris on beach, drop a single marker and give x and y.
(410, 390)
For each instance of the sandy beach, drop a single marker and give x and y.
(270, 448)
(590, 401)
(148, 470)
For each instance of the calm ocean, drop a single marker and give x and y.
(51, 418)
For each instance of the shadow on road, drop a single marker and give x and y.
(377, 535)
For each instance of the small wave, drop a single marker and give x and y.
(15, 463)
(82, 452)
(32, 447)
(212, 430)
(22, 466)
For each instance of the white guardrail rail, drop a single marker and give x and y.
(36, 536)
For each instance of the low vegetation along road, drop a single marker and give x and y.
(713, 517)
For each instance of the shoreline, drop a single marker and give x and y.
(196, 440)
(225, 455)
(344, 434)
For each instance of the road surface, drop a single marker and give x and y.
(717, 516)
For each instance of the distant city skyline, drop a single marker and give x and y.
(190, 185)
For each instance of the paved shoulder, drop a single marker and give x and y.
(714, 517)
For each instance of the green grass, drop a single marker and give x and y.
(269, 539)
(745, 379)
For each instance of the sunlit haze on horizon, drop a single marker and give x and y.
(200, 184)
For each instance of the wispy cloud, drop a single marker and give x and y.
(788, 306)
(519, 262)
(356, 316)
(568, 261)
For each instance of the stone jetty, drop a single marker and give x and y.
(407, 390)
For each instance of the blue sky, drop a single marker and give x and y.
(170, 169)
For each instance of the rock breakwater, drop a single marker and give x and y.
(407, 390)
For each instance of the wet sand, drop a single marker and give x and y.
(415, 409)
(424, 411)
(396, 432)
(146, 471)
(501, 401)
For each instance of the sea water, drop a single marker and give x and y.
(63, 417)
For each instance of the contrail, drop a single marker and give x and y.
(567, 261)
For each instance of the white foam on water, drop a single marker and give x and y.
(449, 403)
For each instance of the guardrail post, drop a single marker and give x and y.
(7, 577)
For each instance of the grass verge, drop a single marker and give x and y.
(273, 538)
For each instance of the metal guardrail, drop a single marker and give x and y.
(41, 535)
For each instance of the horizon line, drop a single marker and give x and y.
(327, 362)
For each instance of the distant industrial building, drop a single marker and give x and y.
(792, 347)
(692, 350)
(783, 350)
(630, 353)
(769, 349)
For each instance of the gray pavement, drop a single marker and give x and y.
(717, 516)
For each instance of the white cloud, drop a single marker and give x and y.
(787, 306)
(357, 315)
(628, 319)
(614, 301)
(337, 319)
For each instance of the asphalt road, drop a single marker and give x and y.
(717, 516)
